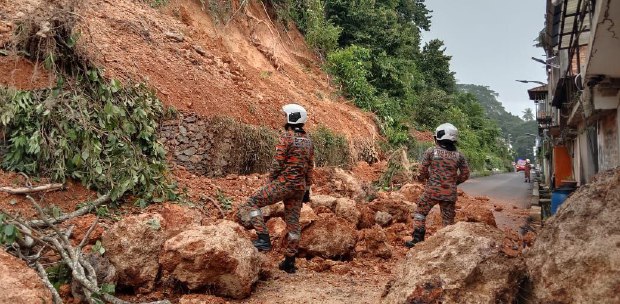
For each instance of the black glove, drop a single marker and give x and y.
(306, 198)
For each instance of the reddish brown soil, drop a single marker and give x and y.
(245, 69)
(423, 136)
(22, 74)
(67, 199)
(369, 172)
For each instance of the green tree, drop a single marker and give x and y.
(528, 115)
(436, 66)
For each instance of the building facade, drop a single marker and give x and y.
(577, 110)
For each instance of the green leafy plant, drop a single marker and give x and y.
(98, 248)
(225, 201)
(8, 232)
(330, 149)
(94, 130)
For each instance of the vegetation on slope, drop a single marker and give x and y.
(513, 127)
(373, 49)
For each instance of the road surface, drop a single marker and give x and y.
(507, 187)
(509, 191)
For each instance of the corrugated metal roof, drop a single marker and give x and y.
(574, 23)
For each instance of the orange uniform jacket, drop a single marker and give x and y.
(443, 170)
(294, 161)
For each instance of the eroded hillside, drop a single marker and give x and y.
(244, 67)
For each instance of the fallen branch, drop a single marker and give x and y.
(41, 271)
(26, 190)
(81, 270)
(89, 206)
(87, 235)
(214, 202)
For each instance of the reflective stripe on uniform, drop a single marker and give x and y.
(419, 217)
(255, 213)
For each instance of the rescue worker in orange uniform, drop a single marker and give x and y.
(289, 181)
(443, 168)
(527, 171)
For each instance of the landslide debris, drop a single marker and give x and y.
(576, 256)
(462, 263)
(216, 257)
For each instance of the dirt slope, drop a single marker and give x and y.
(246, 68)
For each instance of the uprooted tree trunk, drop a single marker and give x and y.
(33, 235)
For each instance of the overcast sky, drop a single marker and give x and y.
(491, 43)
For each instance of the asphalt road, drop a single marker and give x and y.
(509, 188)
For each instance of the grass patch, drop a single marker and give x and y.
(330, 148)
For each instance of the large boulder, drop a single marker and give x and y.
(215, 256)
(373, 242)
(329, 237)
(462, 263)
(576, 256)
(347, 209)
(133, 245)
(307, 216)
(19, 284)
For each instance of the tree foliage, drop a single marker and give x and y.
(93, 130)
(380, 64)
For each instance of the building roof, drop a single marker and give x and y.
(538, 93)
(570, 21)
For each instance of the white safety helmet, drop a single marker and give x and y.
(527, 160)
(295, 114)
(447, 131)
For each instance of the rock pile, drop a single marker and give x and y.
(217, 256)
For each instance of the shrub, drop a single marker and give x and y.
(330, 149)
(351, 68)
(92, 129)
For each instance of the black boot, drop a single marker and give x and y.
(418, 236)
(263, 243)
(288, 265)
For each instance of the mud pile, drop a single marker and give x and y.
(576, 257)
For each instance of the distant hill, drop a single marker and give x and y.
(513, 127)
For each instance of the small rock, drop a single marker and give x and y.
(347, 209)
(323, 200)
(189, 152)
(199, 50)
(383, 218)
(178, 37)
(306, 216)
